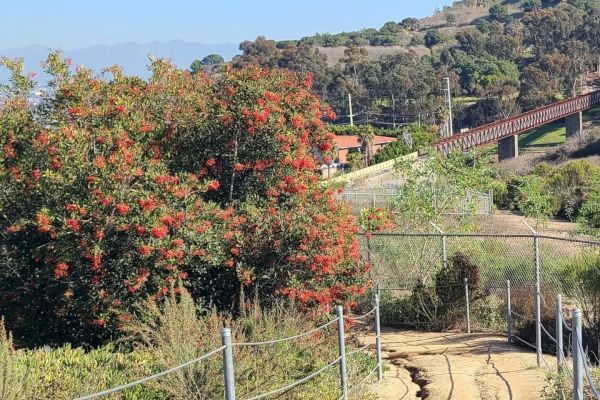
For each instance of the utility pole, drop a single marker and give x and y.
(350, 107)
(449, 100)
(394, 110)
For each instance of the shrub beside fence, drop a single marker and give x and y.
(582, 380)
(415, 258)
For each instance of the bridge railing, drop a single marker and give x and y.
(495, 131)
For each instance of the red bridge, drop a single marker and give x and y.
(507, 130)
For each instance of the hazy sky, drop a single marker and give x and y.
(71, 24)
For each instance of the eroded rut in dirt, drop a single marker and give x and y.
(461, 366)
(417, 378)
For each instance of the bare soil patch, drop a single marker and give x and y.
(462, 366)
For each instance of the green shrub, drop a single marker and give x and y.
(569, 185)
(66, 373)
(436, 307)
(534, 200)
(169, 334)
(589, 213)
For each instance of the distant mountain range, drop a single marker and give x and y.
(132, 57)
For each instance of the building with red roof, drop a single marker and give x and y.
(346, 143)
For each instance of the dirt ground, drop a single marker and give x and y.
(503, 221)
(434, 365)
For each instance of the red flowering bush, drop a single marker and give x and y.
(117, 189)
(376, 219)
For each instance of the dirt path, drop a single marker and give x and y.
(458, 366)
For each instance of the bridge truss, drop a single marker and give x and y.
(498, 130)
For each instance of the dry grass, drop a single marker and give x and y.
(334, 54)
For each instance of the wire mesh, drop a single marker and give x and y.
(384, 196)
(407, 259)
(402, 262)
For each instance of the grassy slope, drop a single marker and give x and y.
(544, 136)
(466, 17)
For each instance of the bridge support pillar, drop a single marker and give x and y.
(574, 124)
(508, 148)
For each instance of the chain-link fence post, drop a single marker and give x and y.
(559, 333)
(228, 364)
(508, 313)
(467, 305)
(577, 354)
(342, 348)
(378, 336)
(538, 302)
(538, 297)
(444, 244)
(369, 248)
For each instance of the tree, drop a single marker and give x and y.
(411, 24)
(261, 51)
(212, 59)
(434, 37)
(392, 151)
(531, 5)
(505, 42)
(477, 74)
(534, 201)
(196, 67)
(117, 190)
(472, 42)
(499, 12)
(549, 29)
(536, 89)
(366, 137)
(589, 214)
(437, 188)
(390, 28)
(451, 19)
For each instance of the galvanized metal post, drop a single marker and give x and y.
(577, 354)
(508, 313)
(467, 304)
(369, 248)
(538, 303)
(444, 251)
(444, 248)
(342, 347)
(378, 337)
(228, 364)
(538, 297)
(559, 333)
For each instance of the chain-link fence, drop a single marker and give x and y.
(410, 258)
(361, 198)
(408, 267)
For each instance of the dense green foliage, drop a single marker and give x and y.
(439, 186)
(569, 190)
(521, 57)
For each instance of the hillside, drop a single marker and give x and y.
(502, 58)
(462, 15)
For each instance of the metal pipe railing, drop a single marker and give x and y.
(228, 359)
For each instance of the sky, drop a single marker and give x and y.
(72, 24)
